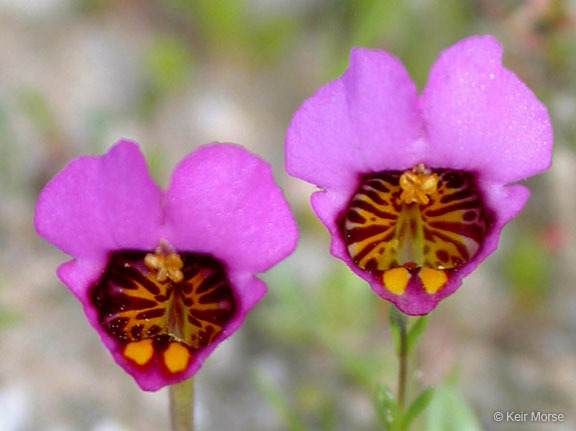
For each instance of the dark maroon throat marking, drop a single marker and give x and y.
(134, 303)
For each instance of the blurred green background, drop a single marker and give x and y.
(75, 76)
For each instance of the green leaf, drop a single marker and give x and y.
(418, 406)
(397, 318)
(386, 407)
(449, 412)
(415, 332)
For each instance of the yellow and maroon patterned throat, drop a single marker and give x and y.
(419, 222)
(162, 307)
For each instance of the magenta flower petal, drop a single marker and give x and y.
(70, 212)
(364, 121)
(415, 189)
(231, 193)
(163, 291)
(481, 118)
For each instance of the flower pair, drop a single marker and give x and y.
(415, 193)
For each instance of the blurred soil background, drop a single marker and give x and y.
(77, 75)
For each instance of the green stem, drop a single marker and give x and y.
(402, 368)
(400, 321)
(182, 405)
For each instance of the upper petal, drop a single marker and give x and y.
(480, 117)
(222, 201)
(365, 121)
(101, 203)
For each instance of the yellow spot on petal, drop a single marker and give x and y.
(432, 279)
(396, 280)
(139, 351)
(176, 357)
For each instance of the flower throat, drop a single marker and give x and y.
(419, 222)
(163, 306)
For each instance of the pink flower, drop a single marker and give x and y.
(417, 187)
(165, 276)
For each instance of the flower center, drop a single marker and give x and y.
(163, 306)
(419, 223)
(417, 185)
(165, 265)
